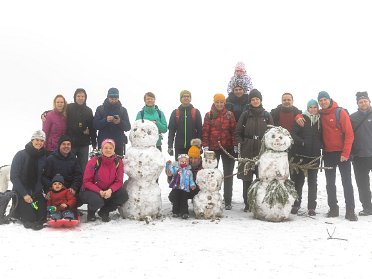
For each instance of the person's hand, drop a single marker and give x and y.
(116, 119)
(235, 149)
(72, 191)
(63, 205)
(47, 196)
(86, 131)
(109, 118)
(193, 188)
(102, 194)
(170, 151)
(300, 121)
(28, 199)
(343, 159)
(107, 194)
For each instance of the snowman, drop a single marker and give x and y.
(208, 202)
(271, 195)
(143, 163)
(4, 178)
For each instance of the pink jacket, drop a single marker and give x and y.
(107, 176)
(54, 126)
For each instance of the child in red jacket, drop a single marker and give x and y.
(61, 203)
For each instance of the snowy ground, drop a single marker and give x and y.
(237, 246)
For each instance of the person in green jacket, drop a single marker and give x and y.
(152, 113)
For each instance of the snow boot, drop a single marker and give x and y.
(104, 216)
(365, 212)
(333, 212)
(295, 209)
(311, 212)
(228, 207)
(350, 215)
(91, 216)
(185, 216)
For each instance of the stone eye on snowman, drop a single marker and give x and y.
(207, 203)
(143, 163)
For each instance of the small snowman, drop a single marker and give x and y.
(271, 195)
(208, 202)
(143, 163)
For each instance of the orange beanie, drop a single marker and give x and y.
(219, 97)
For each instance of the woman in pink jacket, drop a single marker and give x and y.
(102, 183)
(55, 125)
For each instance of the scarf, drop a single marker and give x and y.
(313, 118)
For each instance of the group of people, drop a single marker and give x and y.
(59, 153)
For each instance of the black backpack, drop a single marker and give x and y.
(5, 198)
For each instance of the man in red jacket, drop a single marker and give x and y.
(338, 137)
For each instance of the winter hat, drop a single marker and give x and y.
(362, 95)
(240, 66)
(113, 93)
(219, 97)
(58, 178)
(183, 156)
(39, 134)
(323, 94)
(254, 93)
(185, 92)
(312, 102)
(110, 141)
(194, 150)
(64, 138)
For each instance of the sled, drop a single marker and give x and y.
(64, 223)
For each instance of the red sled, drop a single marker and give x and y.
(66, 223)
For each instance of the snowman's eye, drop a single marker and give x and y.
(135, 129)
(281, 137)
(273, 136)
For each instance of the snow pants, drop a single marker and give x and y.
(179, 201)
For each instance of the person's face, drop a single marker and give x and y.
(108, 150)
(238, 91)
(364, 104)
(113, 101)
(80, 98)
(183, 162)
(195, 162)
(149, 101)
(324, 103)
(57, 186)
(239, 73)
(60, 104)
(65, 148)
(287, 101)
(186, 99)
(255, 102)
(313, 110)
(37, 143)
(220, 105)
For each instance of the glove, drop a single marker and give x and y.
(235, 149)
(170, 151)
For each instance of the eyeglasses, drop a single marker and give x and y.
(186, 96)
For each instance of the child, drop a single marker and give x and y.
(61, 203)
(240, 76)
(182, 182)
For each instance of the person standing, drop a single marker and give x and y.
(152, 113)
(25, 174)
(237, 102)
(249, 132)
(285, 113)
(362, 150)
(219, 126)
(185, 124)
(111, 120)
(80, 127)
(338, 137)
(307, 145)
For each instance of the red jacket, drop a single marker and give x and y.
(63, 196)
(336, 138)
(107, 176)
(219, 126)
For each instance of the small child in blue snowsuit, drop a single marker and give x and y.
(182, 182)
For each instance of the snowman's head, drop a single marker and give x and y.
(209, 160)
(277, 139)
(144, 134)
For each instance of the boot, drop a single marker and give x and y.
(350, 215)
(91, 216)
(104, 216)
(365, 212)
(333, 212)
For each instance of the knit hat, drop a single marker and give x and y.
(219, 97)
(254, 93)
(362, 95)
(183, 156)
(113, 93)
(240, 66)
(185, 92)
(110, 141)
(312, 102)
(323, 94)
(194, 150)
(64, 138)
(58, 178)
(39, 134)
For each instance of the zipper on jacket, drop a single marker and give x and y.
(184, 141)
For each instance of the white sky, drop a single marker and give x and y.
(49, 47)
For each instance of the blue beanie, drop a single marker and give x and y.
(312, 102)
(113, 93)
(323, 94)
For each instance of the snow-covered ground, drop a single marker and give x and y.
(236, 246)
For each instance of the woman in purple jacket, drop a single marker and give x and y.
(55, 125)
(102, 183)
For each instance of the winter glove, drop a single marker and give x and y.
(170, 151)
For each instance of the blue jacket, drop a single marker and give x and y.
(183, 181)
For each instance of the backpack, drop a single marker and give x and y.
(4, 201)
(193, 116)
(338, 112)
(143, 113)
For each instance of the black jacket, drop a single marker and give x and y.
(237, 105)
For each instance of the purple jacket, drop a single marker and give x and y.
(54, 126)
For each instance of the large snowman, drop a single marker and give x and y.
(143, 163)
(271, 195)
(208, 202)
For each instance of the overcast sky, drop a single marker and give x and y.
(52, 47)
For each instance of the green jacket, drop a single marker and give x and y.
(152, 113)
